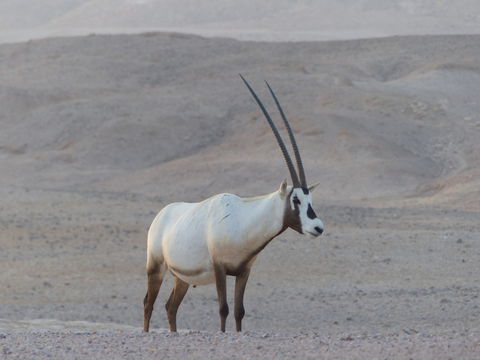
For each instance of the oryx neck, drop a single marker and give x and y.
(266, 214)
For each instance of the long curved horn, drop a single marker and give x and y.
(280, 142)
(301, 171)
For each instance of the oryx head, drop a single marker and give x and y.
(299, 213)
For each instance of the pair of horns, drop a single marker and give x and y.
(302, 182)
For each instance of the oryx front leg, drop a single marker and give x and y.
(180, 288)
(221, 284)
(155, 275)
(240, 284)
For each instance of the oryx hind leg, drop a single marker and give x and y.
(180, 288)
(221, 284)
(239, 310)
(155, 274)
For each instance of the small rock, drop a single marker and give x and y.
(80, 332)
(410, 331)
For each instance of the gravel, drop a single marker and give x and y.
(188, 344)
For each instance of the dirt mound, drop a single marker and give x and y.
(132, 113)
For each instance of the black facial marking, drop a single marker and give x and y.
(305, 191)
(296, 205)
(310, 213)
(291, 217)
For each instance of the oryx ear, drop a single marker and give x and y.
(283, 189)
(312, 188)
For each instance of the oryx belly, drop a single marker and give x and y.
(187, 256)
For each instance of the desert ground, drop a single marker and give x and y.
(100, 132)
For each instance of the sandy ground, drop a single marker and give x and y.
(100, 132)
(97, 341)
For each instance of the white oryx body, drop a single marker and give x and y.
(202, 243)
(190, 237)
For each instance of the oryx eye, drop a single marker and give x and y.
(296, 201)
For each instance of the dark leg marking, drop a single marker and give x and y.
(221, 283)
(155, 278)
(240, 284)
(180, 288)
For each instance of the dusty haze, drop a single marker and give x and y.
(279, 20)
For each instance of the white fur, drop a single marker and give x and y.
(187, 238)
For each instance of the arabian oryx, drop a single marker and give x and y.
(202, 243)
